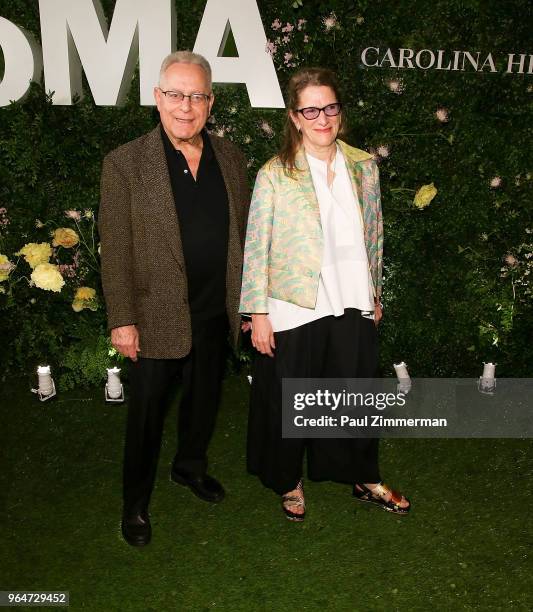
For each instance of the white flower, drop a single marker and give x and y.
(247, 139)
(511, 260)
(495, 182)
(330, 22)
(266, 128)
(360, 20)
(360, 103)
(306, 38)
(442, 115)
(38, 224)
(276, 24)
(301, 23)
(395, 85)
(383, 151)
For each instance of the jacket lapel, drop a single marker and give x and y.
(353, 158)
(156, 179)
(231, 186)
(304, 180)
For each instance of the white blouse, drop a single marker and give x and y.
(345, 280)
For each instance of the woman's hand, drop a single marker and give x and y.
(378, 313)
(262, 334)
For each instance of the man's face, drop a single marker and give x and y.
(183, 120)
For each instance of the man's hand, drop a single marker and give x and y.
(126, 340)
(262, 334)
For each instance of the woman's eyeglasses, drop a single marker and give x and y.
(312, 112)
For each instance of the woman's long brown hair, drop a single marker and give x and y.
(292, 139)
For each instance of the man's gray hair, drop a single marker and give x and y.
(185, 57)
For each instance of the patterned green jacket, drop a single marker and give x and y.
(284, 242)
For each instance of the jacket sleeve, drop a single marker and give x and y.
(379, 223)
(116, 252)
(254, 291)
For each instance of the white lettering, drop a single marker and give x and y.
(254, 66)
(431, 59)
(22, 62)
(511, 63)
(490, 62)
(440, 54)
(468, 56)
(388, 58)
(75, 35)
(406, 55)
(363, 56)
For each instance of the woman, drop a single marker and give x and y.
(312, 266)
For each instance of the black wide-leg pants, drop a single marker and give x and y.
(152, 386)
(331, 347)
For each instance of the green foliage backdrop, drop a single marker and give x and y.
(457, 272)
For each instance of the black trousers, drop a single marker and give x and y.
(331, 347)
(153, 383)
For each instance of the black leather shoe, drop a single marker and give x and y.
(205, 487)
(136, 529)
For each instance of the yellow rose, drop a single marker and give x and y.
(47, 276)
(424, 195)
(85, 297)
(65, 237)
(36, 253)
(5, 268)
(85, 293)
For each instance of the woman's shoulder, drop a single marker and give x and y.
(353, 153)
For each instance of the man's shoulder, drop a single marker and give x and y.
(132, 149)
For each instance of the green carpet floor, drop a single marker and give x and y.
(465, 546)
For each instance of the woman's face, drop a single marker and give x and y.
(320, 133)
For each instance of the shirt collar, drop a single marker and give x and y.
(207, 151)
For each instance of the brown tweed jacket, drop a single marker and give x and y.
(143, 269)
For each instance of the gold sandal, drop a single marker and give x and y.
(374, 496)
(294, 500)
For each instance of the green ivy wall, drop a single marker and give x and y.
(457, 271)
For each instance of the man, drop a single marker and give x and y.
(172, 219)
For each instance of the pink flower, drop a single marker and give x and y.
(287, 59)
(288, 28)
(306, 38)
(330, 22)
(495, 182)
(276, 24)
(271, 48)
(301, 23)
(73, 214)
(286, 39)
(68, 271)
(442, 115)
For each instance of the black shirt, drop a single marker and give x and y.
(202, 207)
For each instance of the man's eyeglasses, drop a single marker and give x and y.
(175, 97)
(312, 112)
